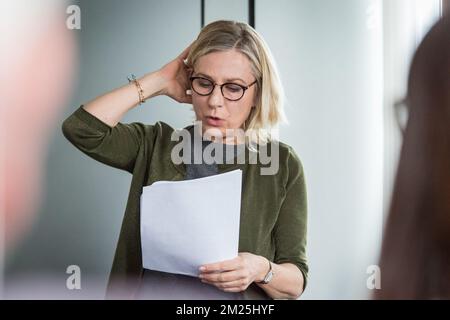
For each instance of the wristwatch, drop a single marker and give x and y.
(269, 274)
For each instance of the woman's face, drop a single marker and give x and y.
(224, 67)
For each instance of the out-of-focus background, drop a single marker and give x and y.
(343, 65)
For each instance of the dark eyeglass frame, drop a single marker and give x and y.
(401, 109)
(244, 88)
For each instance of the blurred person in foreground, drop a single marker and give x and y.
(415, 256)
(36, 67)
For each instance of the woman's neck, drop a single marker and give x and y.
(237, 137)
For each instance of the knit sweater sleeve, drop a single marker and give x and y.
(116, 146)
(291, 226)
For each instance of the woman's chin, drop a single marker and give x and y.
(213, 128)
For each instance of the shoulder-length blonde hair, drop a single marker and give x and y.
(223, 35)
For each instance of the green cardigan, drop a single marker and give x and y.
(273, 218)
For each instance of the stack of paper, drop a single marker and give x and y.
(185, 224)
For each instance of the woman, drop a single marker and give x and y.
(415, 258)
(230, 78)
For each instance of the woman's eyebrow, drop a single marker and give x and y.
(209, 77)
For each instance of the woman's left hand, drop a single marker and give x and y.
(237, 274)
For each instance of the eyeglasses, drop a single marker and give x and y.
(401, 114)
(230, 91)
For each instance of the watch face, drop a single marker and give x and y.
(268, 277)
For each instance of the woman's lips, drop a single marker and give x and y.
(213, 121)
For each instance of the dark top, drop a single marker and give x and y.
(161, 285)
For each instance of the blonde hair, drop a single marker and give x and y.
(223, 35)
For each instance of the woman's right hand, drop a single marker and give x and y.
(176, 75)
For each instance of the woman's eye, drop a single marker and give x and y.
(233, 88)
(205, 84)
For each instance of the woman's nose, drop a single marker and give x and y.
(216, 98)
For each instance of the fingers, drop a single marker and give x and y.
(222, 266)
(223, 276)
(230, 275)
(185, 52)
(230, 286)
(188, 69)
(186, 97)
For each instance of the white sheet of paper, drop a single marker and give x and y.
(185, 224)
